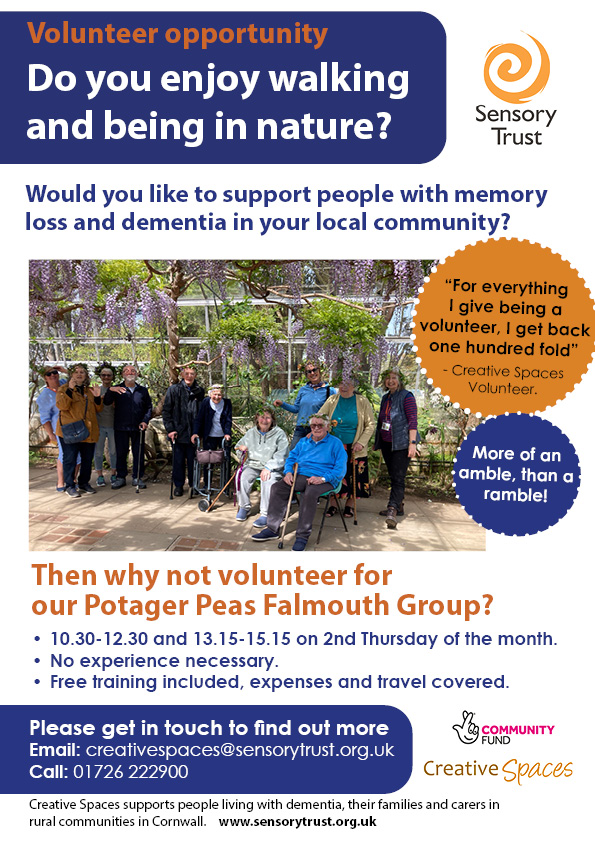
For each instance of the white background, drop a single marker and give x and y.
(539, 583)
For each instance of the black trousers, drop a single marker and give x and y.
(126, 439)
(183, 460)
(397, 462)
(69, 454)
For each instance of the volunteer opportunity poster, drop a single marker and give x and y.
(419, 687)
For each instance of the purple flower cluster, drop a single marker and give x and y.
(350, 361)
(51, 283)
(112, 313)
(150, 307)
(378, 358)
(314, 349)
(272, 350)
(215, 272)
(240, 353)
(293, 276)
(86, 318)
(409, 277)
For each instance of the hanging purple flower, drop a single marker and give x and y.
(314, 349)
(240, 353)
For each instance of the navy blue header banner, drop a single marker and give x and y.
(159, 749)
(205, 87)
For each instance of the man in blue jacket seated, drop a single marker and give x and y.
(322, 462)
(132, 415)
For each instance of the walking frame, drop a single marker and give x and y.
(207, 461)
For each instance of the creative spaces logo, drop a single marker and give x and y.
(516, 74)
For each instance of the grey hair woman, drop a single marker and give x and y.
(396, 438)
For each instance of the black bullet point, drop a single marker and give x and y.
(36, 638)
(36, 660)
(37, 681)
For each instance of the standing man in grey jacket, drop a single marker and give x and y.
(267, 448)
(106, 430)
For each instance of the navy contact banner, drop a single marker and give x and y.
(208, 749)
(215, 88)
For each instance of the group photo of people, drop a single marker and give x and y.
(300, 415)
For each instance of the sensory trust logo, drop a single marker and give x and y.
(468, 731)
(503, 70)
(515, 74)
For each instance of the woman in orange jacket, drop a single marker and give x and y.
(78, 401)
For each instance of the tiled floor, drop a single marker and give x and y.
(123, 520)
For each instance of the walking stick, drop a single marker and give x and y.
(354, 489)
(140, 450)
(295, 470)
(238, 473)
(173, 453)
(225, 486)
(191, 480)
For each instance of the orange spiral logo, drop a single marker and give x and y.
(504, 71)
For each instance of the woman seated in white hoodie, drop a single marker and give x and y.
(267, 447)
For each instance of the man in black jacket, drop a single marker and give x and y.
(179, 411)
(132, 414)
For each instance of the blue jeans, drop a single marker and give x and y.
(70, 452)
(105, 433)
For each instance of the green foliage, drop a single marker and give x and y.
(38, 459)
(114, 274)
(364, 388)
(242, 322)
(35, 458)
(424, 421)
(191, 321)
(342, 326)
(155, 377)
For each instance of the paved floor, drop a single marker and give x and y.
(149, 520)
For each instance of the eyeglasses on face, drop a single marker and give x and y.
(51, 373)
(314, 426)
(312, 370)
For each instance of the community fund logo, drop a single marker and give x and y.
(516, 74)
(468, 731)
